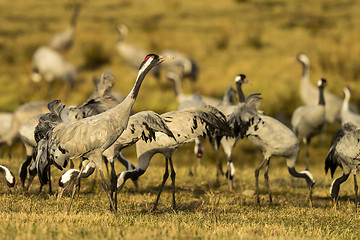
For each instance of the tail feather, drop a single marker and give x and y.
(331, 161)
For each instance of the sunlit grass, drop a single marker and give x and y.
(205, 209)
(258, 38)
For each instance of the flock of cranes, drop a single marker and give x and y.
(99, 129)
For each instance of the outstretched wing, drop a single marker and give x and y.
(98, 105)
(188, 124)
(49, 120)
(146, 123)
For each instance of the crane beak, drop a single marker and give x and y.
(163, 58)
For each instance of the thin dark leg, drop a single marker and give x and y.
(220, 171)
(106, 165)
(49, 174)
(113, 184)
(356, 192)
(173, 175)
(41, 186)
(188, 153)
(76, 182)
(24, 170)
(165, 177)
(71, 164)
(266, 176)
(218, 163)
(257, 179)
(307, 154)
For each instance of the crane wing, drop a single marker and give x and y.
(245, 115)
(188, 124)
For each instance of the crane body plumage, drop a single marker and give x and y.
(90, 137)
(186, 125)
(271, 136)
(346, 114)
(308, 121)
(344, 152)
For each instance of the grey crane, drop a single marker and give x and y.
(344, 152)
(346, 114)
(48, 64)
(90, 137)
(141, 125)
(309, 93)
(18, 117)
(228, 142)
(186, 125)
(308, 121)
(63, 40)
(37, 127)
(272, 137)
(187, 101)
(8, 177)
(175, 76)
(132, 55)
(6, 121)
(104, 88)
(99, 101)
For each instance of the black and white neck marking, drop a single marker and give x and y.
(8, 176)
(150, 61)
(239, 80)
(321, 85)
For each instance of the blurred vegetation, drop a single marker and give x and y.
(259, 38)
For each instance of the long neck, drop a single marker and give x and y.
(296, 174)
(135, 90)
(321, 96)
(126, 105)
(345, 105)
(240, 92)
(335, 186)
(305, 72)
(177, 84)
(75, 16)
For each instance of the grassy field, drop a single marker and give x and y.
(205, 209)
(259, 38)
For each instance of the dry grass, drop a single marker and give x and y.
(259, 38)
(205, 209)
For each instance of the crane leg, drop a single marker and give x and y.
(129, 166)
(173, 175)
(113, 184)
(307, 154)
(188, 152)
(106, 188)
(76, 182)
(165, 177)
(356, 190)
(106, 166)
(49, 175)
(229, 176)
(266, 176)
(23, 170)
(257, 179)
